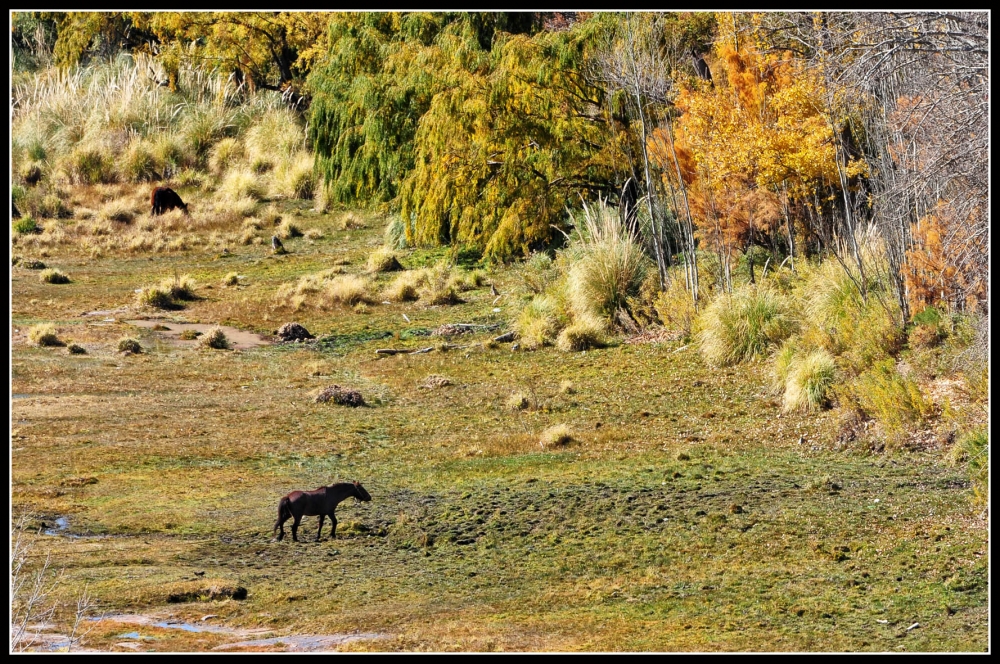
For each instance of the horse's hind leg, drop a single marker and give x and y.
(333, 521)
(320, 527)
(281, 529)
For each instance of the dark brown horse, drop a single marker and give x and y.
(163, 199)
(321, 502)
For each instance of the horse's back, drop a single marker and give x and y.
(312, 503)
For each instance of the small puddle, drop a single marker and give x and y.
(136, 619)
(238, 339)
(61, 525)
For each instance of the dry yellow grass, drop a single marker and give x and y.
(586, 331)
(556, 436)
(539, 322)
(383, 259)
(44, 334)
(348, 289)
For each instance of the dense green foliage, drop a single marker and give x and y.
(484, 127)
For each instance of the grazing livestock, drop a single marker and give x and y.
(322, 502)
(276, 245)
(163, 199)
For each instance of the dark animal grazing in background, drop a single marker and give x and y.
(163, 199)
(276, 245)
(321, 502)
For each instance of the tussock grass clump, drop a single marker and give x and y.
(567, 387)
(26, 225)
(245, 206)
(809, 380)
(117, 209)
(288, 229)
(215, 338)
(518, 401)
(296, 294)
(179, 288)
(169, 154)
(137, 163)
(155, 297)
(224, 154)
(466, 281)
(883, 393)
(44, 334)
(53, 207)
(76, 349)
(584, 333)
(270, 215)
(32, 172)
(231, 279)
(539, 322)
(609, 264)
(404, 288)
(349, 289)
(312, 234)
(383, 259)
(242, 183)
(89, 164)
(277, 134)
(439, 287)
(296, 178)
(860, 329)
(556, 436)
(129, 346)
(189, 335)
(32, 264)
(53, 276)
(744, 325)
(394, 235)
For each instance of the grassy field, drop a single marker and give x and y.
(686, 513)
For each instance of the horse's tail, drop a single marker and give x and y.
(284, 511)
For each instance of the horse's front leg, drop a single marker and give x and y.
(295, 527)
(321, 517)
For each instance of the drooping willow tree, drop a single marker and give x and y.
(480, 129)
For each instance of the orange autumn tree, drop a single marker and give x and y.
(931, 273)
(749, 146)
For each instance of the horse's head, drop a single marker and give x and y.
(360, 493)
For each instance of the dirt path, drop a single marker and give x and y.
(171, 331)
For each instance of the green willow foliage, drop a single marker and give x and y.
(376, 83)
(481, 129)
